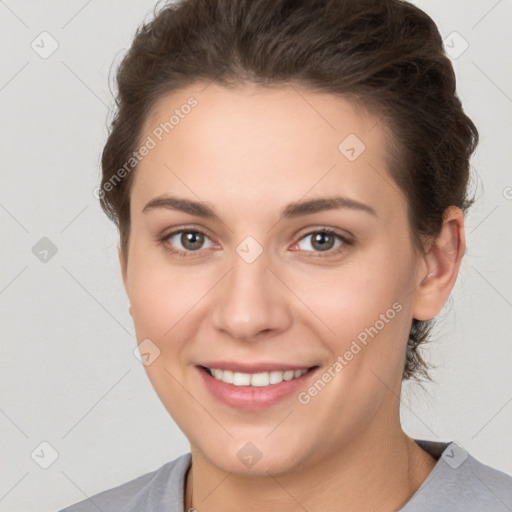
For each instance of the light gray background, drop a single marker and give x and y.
(69, 376)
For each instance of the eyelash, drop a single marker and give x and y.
(319, 254)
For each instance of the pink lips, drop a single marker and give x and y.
(251, 398)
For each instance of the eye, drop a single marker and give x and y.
(323, 241)
(185, 241)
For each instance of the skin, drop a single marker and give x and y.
(248, 152)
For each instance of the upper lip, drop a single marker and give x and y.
(254, 367)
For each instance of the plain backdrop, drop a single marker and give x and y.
(73, 395)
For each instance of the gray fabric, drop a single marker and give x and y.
(458, 482)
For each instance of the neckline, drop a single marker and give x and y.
(433, 448)
(436, 450)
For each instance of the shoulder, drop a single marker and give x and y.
(459, 482)
(148, 492)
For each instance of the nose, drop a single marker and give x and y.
(251, 303)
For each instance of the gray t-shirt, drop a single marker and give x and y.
(458, 482)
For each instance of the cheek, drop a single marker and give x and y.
(364, 311)
(150, 305)
(152, 294)
(165, 297)
(350, 298)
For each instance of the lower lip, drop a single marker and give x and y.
(253, 398)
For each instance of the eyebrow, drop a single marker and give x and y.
(290, 211)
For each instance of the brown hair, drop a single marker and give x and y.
(385, 54)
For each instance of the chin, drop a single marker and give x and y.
(253, 458)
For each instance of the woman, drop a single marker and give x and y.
(289, 180)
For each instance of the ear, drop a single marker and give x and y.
(440, 266)
(124, 270)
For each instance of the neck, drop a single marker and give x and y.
(393, 468)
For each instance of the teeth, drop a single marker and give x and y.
(288, 375)
(259, 379)
(239, 379)
(275, 377)
(255, 379)
(226, 376)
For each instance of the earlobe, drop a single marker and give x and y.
(440, 266)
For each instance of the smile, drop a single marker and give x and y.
(261, 379)
(254, 391)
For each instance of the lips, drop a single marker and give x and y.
(254, 390)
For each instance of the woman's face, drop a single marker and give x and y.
(258, 286)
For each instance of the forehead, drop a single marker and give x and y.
(251, 144)
(262, 115)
